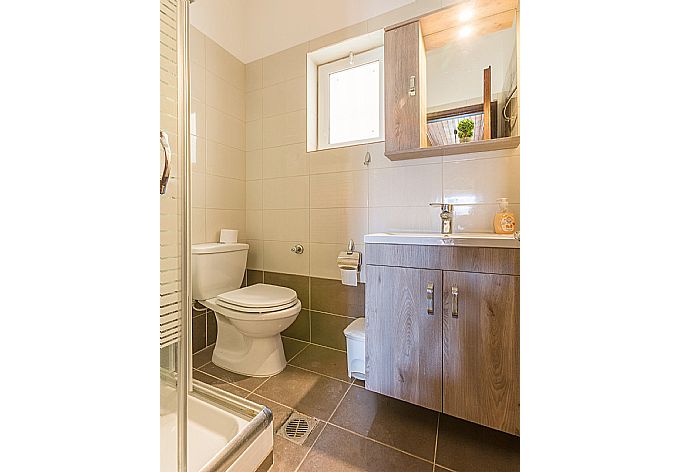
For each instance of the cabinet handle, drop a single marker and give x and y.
(430, 298)
(413, 88)
(454, 302)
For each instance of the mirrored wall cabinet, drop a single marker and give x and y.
(451, 81)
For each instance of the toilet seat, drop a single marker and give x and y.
(230, 313)
(258, 298)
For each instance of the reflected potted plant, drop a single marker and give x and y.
(465, 130)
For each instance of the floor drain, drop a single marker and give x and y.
(297, 427)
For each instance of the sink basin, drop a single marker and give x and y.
(438, 239)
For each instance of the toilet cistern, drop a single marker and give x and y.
(446, 217)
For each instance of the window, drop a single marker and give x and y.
(350, 100)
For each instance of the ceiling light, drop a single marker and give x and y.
(466, 15)
(465, 31)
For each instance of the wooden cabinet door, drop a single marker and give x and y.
(403, 339)
(481, 349)
(404, 66)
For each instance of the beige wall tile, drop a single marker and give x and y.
(285, 65)
(197, 148)
(405, 186)
(379, 160)
(285, 97)
(198, 190)
(253, 75)
(253, 105)
(338, 225)
(254, 164)
(227, 219)
(197, 82)
(197, 118)
(415, 219)
(196, 47)
(323, 260)
(225, 97)
(289, 128)
(255, 256)
(339, 189)
(285, 161)
(253, 139)
(286, 193)
(254, 199)
(482, 155)
(254, 224)
(223, 64)
(225, 194)
(225, 129)
(279, 258)
(338, 159)
(482, 180)
(286, 225)
(199, 226)
(479, 218)
(225, 161)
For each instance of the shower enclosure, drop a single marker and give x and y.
(202, 428)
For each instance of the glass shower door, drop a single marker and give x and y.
(174, 231)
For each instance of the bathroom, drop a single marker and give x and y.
(339, 255)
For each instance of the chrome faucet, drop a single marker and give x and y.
(446, 217)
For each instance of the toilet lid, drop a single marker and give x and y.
(259, 297)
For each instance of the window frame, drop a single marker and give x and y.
(323, 94)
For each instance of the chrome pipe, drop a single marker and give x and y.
(185, 346)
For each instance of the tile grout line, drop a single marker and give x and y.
(319, 373)
(327, 422)
(438, 422)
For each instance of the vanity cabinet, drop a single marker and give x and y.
(404, 334)
(442, 329)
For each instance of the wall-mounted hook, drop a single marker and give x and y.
(367, 158)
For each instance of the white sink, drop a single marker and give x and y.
(438, 239)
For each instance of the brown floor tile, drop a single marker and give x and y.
(202, 357)
(306, 392)
(324, 361)
(211, 328)
(331, 296)
(214, 382)
(337, 450)
(247, 383)
(198, 333)
(280, 412)
(467, 446)
(292, 347)
(402, 425)
(298, 283)
(327, 330)
(287, 455)
(299, 329)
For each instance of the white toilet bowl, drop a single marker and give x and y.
(250, 321)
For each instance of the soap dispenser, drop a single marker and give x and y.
(504, 221)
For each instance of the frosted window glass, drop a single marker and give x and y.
(354, 104)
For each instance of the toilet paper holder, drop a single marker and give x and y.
(350, 259)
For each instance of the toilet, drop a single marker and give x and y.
(250, 319)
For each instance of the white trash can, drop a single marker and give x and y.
(354, 335)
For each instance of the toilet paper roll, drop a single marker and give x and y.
(228, 235)
(348, 277)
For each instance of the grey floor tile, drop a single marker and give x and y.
(468, 446)
(306, 392)
(337, 450)
(324, 361)
(247, 383)
(408, 427)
